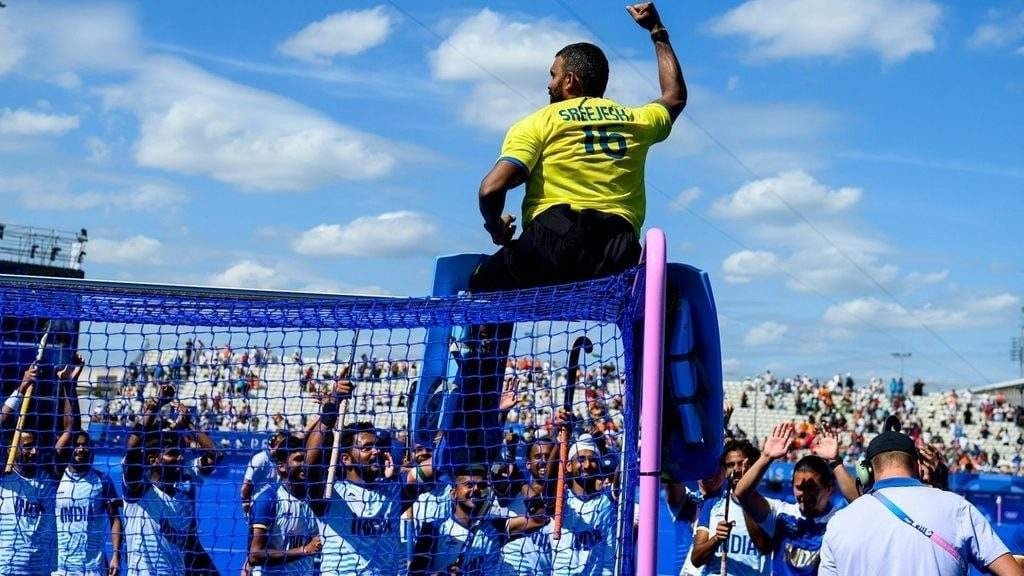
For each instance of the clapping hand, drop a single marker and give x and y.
(777, 445)
(826, 444)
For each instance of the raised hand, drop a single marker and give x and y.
(826, 444)
(28, 378)
(167, 393)
(508, 395)
(184, 420)
(646, 15)
(777, 445)
(71, 372)
(932, 468)
(343, 388)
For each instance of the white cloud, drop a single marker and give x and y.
(389, 235)
(285, 275)
(922, 278)
(848, 259)
(768, 137)
(765, 333)
(683, 200)
(98, 150)
(731, 365)
(822, 268)
(997, 304)
(54, 40)
(344, 33)
(48, 193)
(769, 197)
(872, 311)
(1001, 30)
(23, 122)
(11, 48)
(250, 274)
(743, 266)
(776, 29)
(134, 250)
(193, 122)
(506, 61)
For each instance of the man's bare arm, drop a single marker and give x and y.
(670, 74)
(503, 177)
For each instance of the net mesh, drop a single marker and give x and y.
(155, 405)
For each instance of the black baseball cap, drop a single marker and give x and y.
(891, 440)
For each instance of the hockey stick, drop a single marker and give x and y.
(23, 412)
(587, 346)
(339, 423)
(723, 571)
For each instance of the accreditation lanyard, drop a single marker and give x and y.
(932, 535)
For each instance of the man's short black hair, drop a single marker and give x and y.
(749, 451)
(289, 445)
(589, 64)
(349, 433)
(819, 466)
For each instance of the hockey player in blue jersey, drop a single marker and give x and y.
(158, 525)
(587, 544)
(285, 537)
(468, 542)
(27, 496)
(361, 518)
(86, 499)
(796, 530)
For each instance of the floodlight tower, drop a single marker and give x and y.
(1017, 347)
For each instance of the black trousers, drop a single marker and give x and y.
(560, 245)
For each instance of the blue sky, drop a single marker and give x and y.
(849, 172)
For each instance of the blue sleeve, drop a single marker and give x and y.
(264, 509)
(704, 519)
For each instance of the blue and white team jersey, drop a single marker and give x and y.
(290, 523)
(360, 530)
(261, 470)
(744, 558)
(587, 544)
(83, 522)
(27, 526)
(480, 547)
(156, 528)
(527, 555)
(432, 506)
(187, 489)
(796, 539)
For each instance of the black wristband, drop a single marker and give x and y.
(833, 463)
(660, 35)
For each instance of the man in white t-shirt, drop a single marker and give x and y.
(901, 526)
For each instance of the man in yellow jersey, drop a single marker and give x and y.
(582, 159)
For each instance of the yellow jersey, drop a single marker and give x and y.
(588, 153)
